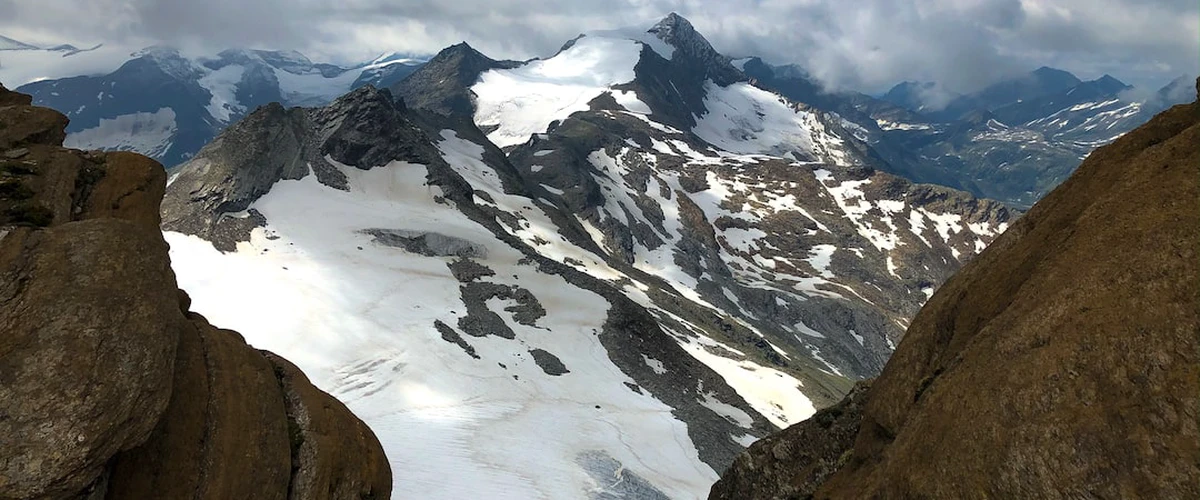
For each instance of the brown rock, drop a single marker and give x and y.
(235, 410)
(25, 125)
(109, 387)
(333, 458)
(129, 187)
(169, 464)
(10, 98)
(793, 462)
(87, 350)
(1064, 361)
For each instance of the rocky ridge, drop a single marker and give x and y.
(1061, 363)
(110, 387)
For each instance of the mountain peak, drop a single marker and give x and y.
(675, 28)
(1055, 76)
(1109, 80)
(443, 84)
(158, 52)
(460, 51)
(672, 21)
(678, 32)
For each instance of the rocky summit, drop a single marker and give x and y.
(1060, 363)
(109, 386)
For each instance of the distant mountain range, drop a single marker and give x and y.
(165, 105)
(1011, 141)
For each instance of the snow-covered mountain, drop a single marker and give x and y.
(165, 105)
(1012, 141)
(596, 275)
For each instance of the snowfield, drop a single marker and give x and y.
(358, 317)
(523, 101)
(150, 134)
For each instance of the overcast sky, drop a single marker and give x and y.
(861, 44)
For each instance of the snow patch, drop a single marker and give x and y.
(222, 84)
(772, 393)
(820, 256)
(745, 119)
(150, 134)
(523, 101)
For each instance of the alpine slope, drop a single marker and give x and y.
(596, 275)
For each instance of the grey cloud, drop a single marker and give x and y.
(866, 44)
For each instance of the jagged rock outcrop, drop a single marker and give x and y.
(1060, 363)
(109, 387)
(364, 127)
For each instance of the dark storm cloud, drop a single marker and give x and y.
(865, 44)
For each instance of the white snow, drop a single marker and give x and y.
(772, 393)
(222, 84)
(638, 34)
(524, 101)
(805, 329)
(857, 337)
(820, 258)
(946, 224)
(313, 89)
(730, 412)
(654, 364)
(745, 119)
(853, 203)
(150, 134)
(887, 125)
(916, 224)
(360, 324)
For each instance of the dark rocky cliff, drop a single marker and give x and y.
(109, 386)
(1063, 362)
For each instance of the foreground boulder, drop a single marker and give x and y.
(109, 386)
(1061, 363)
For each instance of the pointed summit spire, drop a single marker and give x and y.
(678, 32)
(675, 28)
(670, 25)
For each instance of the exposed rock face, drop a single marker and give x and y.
(793, 462)
(679, 32)
(443, 85)
(360, 128)
(1061, 363)
(109, 387)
